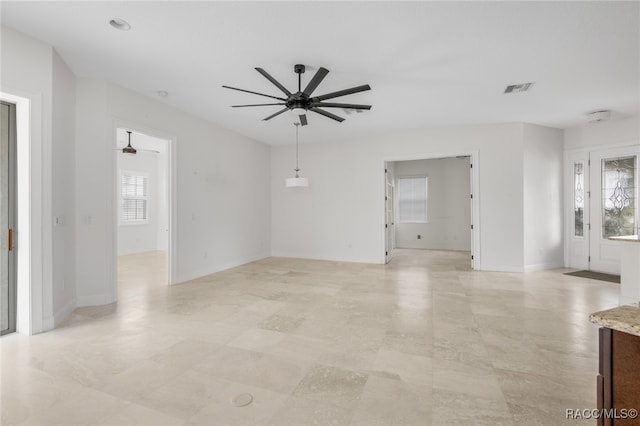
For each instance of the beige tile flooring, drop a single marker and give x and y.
(421, 341)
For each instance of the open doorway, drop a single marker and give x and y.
(143, 208)
(433, 205)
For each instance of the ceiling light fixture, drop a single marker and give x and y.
(297, 181)
(120, 24)
(596, 116)
(129, 149)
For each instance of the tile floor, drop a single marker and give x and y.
(421, 341)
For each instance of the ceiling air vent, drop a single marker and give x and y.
(518, 88)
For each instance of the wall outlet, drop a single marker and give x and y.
(419, 236)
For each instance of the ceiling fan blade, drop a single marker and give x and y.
(315, 81)
(327, 114)
(342, 93)
(274, 81)
(252, 105)
(277, 113)
(255, 93)
(338, 105)
(303, 119)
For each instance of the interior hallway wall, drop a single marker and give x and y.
(222, 206)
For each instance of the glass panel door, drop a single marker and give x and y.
(7, 186)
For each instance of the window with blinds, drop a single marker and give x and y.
(412, 199)
(135, 198)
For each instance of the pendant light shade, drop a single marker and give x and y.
(297, 181)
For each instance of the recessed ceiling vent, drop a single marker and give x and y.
(518, 88)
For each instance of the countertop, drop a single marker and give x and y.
(627, 238)
(623, 318)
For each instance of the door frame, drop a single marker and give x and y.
(389, 227)
(475, 200)
(171, 198)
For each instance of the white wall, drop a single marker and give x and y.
(340, 215)
(448, 205)
(543, 192)
(222, 195)
(63, 165)
(601, 134)
(33, 71)
(138, 238)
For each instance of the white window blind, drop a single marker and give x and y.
(135, 198)
(412, 199)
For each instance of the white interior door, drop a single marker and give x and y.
(614, 204)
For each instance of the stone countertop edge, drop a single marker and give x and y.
(627, 239)
(623, 318)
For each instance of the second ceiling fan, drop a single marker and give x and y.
(302, 100)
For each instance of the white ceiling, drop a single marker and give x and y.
(430, 64)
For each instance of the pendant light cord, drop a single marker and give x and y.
(297, 169)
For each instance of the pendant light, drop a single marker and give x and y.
(297, 181)
(129, 149)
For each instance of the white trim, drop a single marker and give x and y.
(202, 272)
(502, 268)
(94, 300)
(475, 214)
(62, 314)
(542, 266)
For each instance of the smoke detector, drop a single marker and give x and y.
(596, 116)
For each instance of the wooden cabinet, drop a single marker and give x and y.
(618, 381)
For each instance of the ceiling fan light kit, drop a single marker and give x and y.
(301, 101)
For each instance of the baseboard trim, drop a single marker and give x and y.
(501, 268)
(94, 300)
(542, 266)
(212, 269)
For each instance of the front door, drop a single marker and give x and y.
(7, 212)
(613, 205)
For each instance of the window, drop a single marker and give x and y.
(619, 196)
(578, 198)
(412, 199)
(135, 198)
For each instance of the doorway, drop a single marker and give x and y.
(430, 204)
(8, 282)
(143, 216)
(602, 202)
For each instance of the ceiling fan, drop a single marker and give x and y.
(301, 101)
(131, 150)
